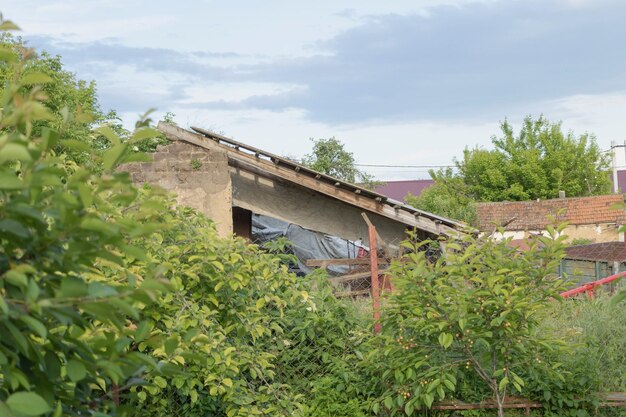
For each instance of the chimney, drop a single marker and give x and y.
(561, 194)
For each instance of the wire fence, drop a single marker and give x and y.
(589, 263)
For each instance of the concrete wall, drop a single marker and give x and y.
(607, 232)
(309, 209)
(200, 179)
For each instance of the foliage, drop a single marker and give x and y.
(72, 104)
(538, 162)
(446, 198)
(330, 157)
(219, 324)
(581, 241)
(595, 328)
(476, 313)
(68, 332)
(195, 164)
(320, 347)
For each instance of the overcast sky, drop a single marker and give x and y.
(399, 82)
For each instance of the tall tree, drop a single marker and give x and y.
(330, 157)
(448, 197)
(538, 162)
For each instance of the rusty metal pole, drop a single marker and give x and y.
(375, 284)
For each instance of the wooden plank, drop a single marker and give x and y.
(382, 243)
(352, 293)
(610, 399)
(350, 277)
(343, 261)
(515, 402)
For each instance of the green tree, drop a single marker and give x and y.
(448, 197)
(330, 157)
(72, 103)
(538, 162)
(476, 313)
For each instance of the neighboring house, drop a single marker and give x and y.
(398, 190)
(593, 218)
(584, 263)
(230, 181)
(621, 181)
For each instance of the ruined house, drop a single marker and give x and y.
(230, 181)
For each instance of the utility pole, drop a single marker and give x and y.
(614, 165)
(614, 146)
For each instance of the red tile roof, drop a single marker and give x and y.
(533, 215)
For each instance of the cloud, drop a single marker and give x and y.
(462, 61)
(479, 61)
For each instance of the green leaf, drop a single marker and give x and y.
(171, 344)
(7, 55)
(10, 181)
(503, 383)
(445, 340)
(8, 25)
(72, 287)
(14, 228)
(462, 324)
(428, 400)
(136, 157)
(50, 137)
(35, 325)
(409, 408)
(388, 402)
(17, 278)
(35, 78)
(160, 382)
(449, 384)
(110, 134)
(85, 194)
(113, 155)
(28, 404)
(4, 308)
(13, 151)
(76, 371)
(97, 225)
(77, 145)
(145, 133)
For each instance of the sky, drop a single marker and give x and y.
(398, 82)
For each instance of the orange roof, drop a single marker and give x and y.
(533, 215)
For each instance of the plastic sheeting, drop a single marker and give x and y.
(307, 244)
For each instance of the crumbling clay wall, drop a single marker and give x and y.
(199, 177)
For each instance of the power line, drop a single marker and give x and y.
(404, 166)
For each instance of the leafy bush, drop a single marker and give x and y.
(218, 325)
(67, 340)
(471, 315)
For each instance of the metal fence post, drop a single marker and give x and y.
(375, 284)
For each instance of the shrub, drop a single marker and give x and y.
(471, 314)
(67, 331)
